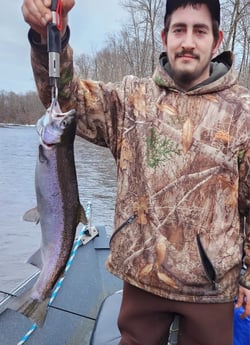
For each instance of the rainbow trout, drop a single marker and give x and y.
(58, 209)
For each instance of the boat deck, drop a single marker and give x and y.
(71, 317)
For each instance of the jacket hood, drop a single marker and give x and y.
(222, 75)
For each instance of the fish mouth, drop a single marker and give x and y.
(47, 145)
(52, 126)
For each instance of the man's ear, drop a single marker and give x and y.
(218, 43)
(164, 38)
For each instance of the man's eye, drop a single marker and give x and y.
(178, 30)
(201, 32)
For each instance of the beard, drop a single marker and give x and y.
(185, 77)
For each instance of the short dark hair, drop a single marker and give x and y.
(213, 6)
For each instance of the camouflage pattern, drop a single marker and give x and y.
(179, 157)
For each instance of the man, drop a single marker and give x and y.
(181, 144)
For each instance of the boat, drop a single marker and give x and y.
(85, 302)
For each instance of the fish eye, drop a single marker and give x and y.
(64, 123)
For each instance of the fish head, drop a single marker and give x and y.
(55, 127)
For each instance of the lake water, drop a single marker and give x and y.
(19, 239)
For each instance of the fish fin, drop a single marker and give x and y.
(82, 215)
(32, 215)
(33, 309)
(36, 259)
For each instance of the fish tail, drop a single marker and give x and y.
(32, 308)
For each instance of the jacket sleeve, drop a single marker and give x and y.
(244, 210)
(97, 105)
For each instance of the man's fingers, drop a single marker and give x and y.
(36, 14)
(243, 301)
(240, 300)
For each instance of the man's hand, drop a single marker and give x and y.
(244, 301)
(37, 14)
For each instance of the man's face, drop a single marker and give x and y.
(190, 45)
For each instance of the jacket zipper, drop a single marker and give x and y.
(127, 222)
(207, 264)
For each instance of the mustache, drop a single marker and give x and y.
(187, 52)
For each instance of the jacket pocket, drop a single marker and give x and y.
(123, 225)
(207, 264)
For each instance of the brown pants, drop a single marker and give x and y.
(145, 319)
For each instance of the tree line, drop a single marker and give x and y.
(20, 108)
(135, 50)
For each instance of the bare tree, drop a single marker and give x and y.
(236, 26)
(110, 63)
(134, 50)
(140, 43)
(83, 64)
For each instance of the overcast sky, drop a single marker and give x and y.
(90, 22)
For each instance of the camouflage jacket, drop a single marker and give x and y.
(181, 215)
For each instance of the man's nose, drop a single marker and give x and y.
(188, 42)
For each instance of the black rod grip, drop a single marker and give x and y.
(53, 5)
(54, 38)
